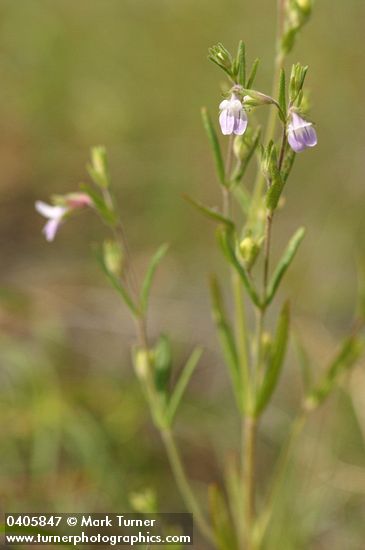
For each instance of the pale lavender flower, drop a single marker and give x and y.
(301, 133)
(56, 213)
(233, 118)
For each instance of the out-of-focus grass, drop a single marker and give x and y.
(132, 75)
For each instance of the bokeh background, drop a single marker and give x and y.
(132, 75)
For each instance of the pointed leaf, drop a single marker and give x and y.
(182, 383)
(162, 363)
(213, 140)
(304, 362)
(211, 213)
(241, 64)
(275, 365)
(116, 283)
(252, 76)
(226, 338)
(222, 524)
(233, 484)
(282, 95)
(351, 349)
(288, 163)
(148, 280)
(242, 166)
(100, 205)
(226, 240)
(284, 263)
(276, 182)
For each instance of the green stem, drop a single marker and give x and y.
(183, 485)
(249, 477)
(151, 393)
(278, 476)
(271, 123)
(241, 339)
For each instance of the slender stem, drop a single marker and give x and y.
(268, 231)
(271, 124)
(152, 396)
(249, 476)
(241, 337)
(183, 485)
(279, 474)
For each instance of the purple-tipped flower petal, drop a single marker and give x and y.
(233, 118)
(301, 133)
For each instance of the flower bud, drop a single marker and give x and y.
(141, 363)
(249, 249)
(267, 344)
(241, 147)
(305, 6)
(113, 257)
(144, 502)
(99, 166)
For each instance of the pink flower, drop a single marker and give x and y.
(57, 213)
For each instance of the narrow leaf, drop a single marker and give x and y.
(288, 163)
(116, 283)
(102, 208)
(221, 520)
(211, 213)
(233, 486)
(243, 198)
(213, 140)
(241, 63)
(242, 166)
(282, 94)
(350, 351)
(276, 181)
(304, 362)
(148, 280)
(225, 238)
(182, 383)
(252, 76)
(220, 65)
(275, 365)
(284, 263)
(162, 363)
(226, 338)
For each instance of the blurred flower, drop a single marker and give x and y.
(233, 118)
(57, 213)
(301, 133)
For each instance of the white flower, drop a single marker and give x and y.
(55, 215)
(233, 118)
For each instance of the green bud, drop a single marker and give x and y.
(305, 6)
(241, 146)
(144, 502)
(141, 363)
(98, 169)
(113, 257)
(249, 249)
(267, 345)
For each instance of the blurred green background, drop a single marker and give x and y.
(132, 75)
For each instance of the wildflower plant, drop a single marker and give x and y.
(254, 356)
